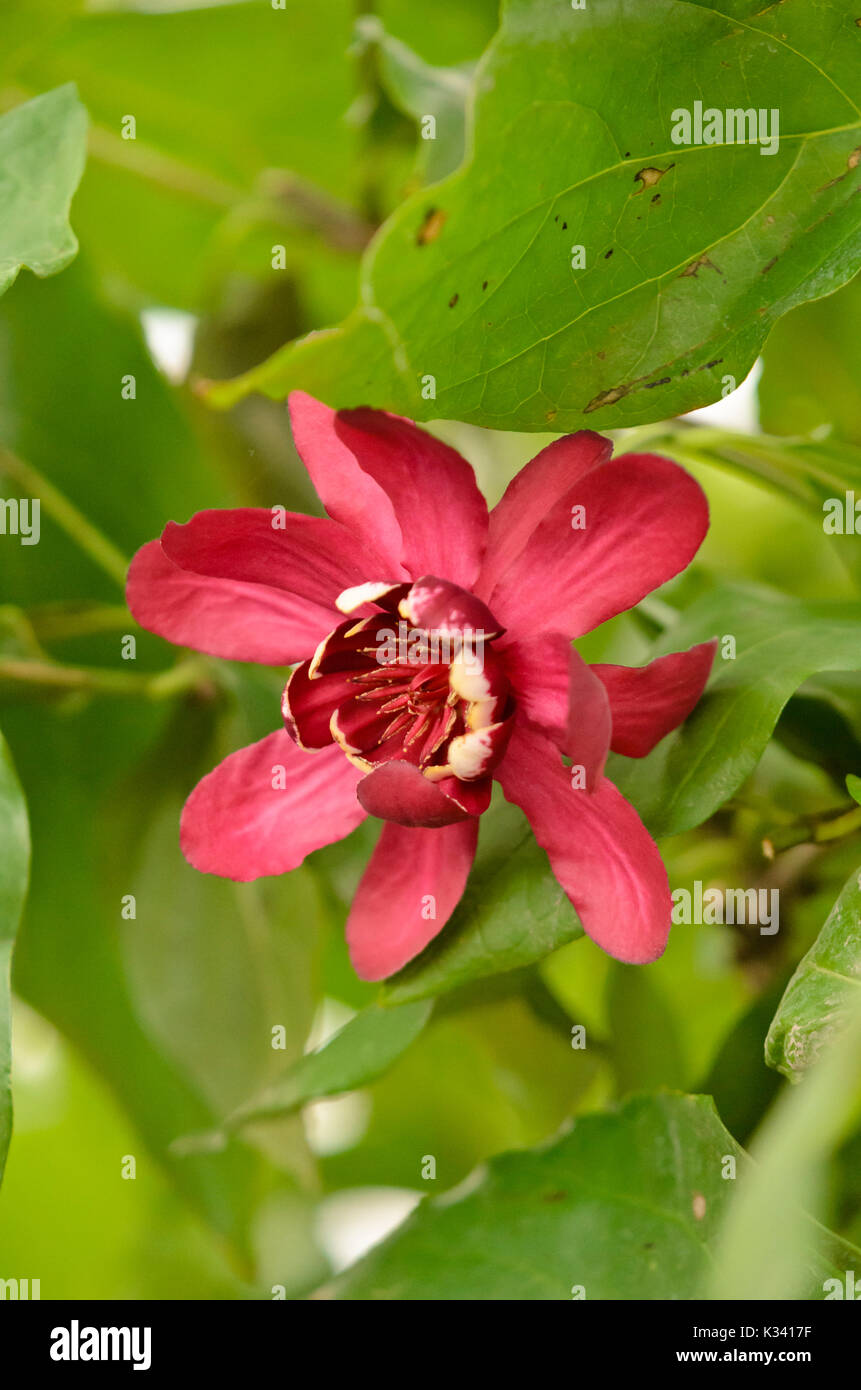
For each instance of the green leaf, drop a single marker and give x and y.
(853, 786)
(779, 643)
(820, 994)
(420, 90)
(356, 1055)
(627, 1205)
(692, 251)
(14, 867)
(765, 1245)
(42, 153)
(512, 913)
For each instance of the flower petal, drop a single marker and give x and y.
(349, 493)
(645, 519)
(222, 617)
(440, 511)
(648, 701)
(308, 704)
(411, 874)
(444, 607)
(267, 806)
(598, 847)
(397, 791)
(310, 557)
(530, 495)
(558, 693)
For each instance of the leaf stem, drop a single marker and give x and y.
(85, 535)
(188, 674)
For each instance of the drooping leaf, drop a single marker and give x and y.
(823, 990)
(42, 152)
(581, 268)
(627, 1205)
(14, 864)
(512, 913)
(779, 643)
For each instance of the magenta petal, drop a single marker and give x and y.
(267, 806)
(558, 693)
(530, 495)
(349, 494)
(409, 890)
(645, 519)
(598, 847)
(310, 557)
(308, 704)
(648, 701)
(441, 513)
(222, 617)
(397, 791)
(443, 607)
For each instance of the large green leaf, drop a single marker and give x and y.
(823, 990)
(779, 643)
(14, 865)
(691, 251)
(42, 152)
(627, 1205)
(512, 913)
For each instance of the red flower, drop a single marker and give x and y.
(434, 651)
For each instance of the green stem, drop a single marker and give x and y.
(186, 675)
(85, 535)
(818, 830)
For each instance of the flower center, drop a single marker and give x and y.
(415, 680)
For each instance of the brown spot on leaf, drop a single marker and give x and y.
(699, 1206)
(649, 176)
(453, 300)
(851, 163)
(656, 198)
(767, 268)
(606, 398)
(701, 263)
(551, 414)
(608, 254)
(555, 1196)
(431, 227)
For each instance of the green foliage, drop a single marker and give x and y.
(823, 992)
(778, 643)
(475, 285)
(629, 1205)
(41, 161)
(246, 166)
